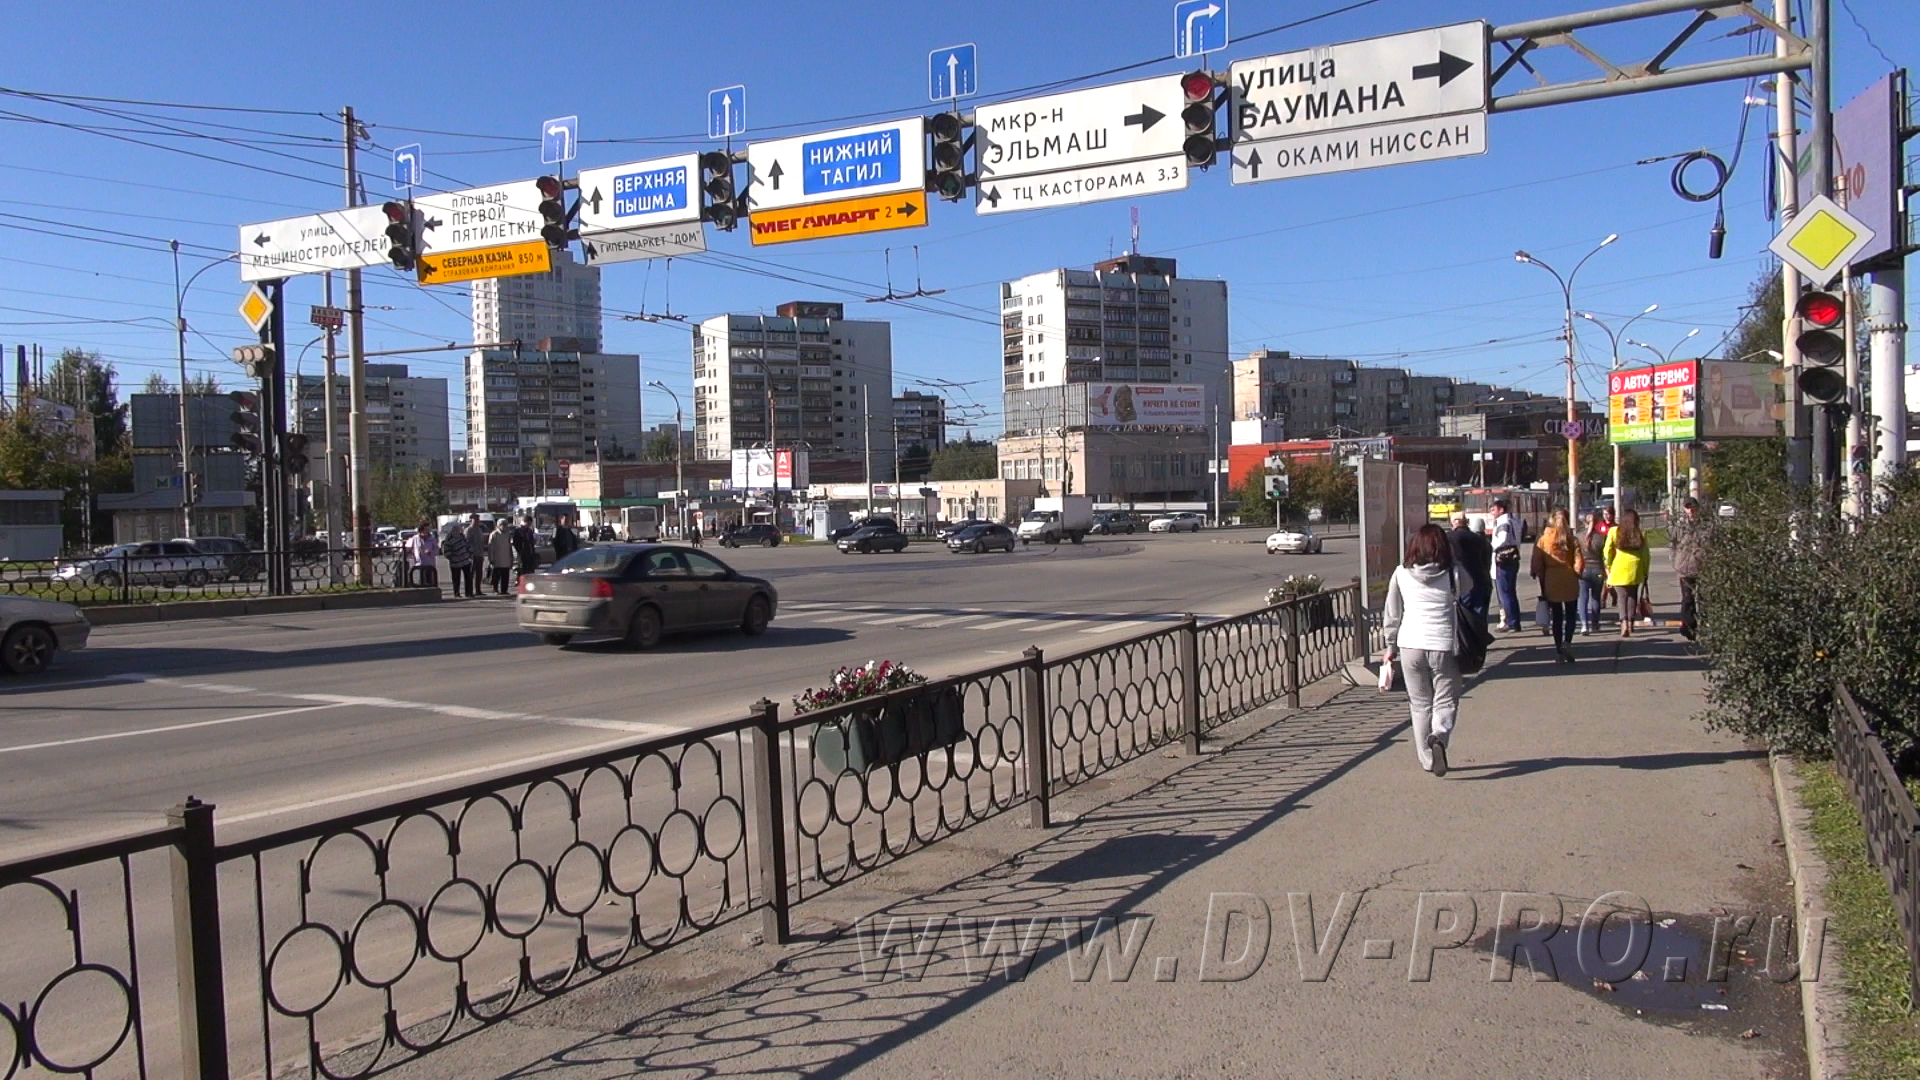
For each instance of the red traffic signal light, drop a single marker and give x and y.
(1823, 310)
(1200, 116)
(403, 246)
(553, 210)
(550, 187)
(1197, 85)
(246, 422)
(1819, 313)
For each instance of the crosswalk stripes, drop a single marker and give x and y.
(822, 614)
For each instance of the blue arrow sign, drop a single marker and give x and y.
(1199, 27)
(726, 112)
(951, 73)
(406, 167)
(559, 140)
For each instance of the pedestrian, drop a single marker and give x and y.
(693, 534)
(476, 535)
(1506, 564)
(423, 554)
(500, 557)
(1593, 572)
(1688, 538)
(1557, 565)
(1474, 555)
(459, 555)
(565, 542)
(1626, 559)
(1422, 625)
(526, 547)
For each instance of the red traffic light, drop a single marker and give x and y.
(397, 212)
(549, 187)
(1197, 85)
(1823, 310)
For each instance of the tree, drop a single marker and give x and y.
(1254, 506)
(204, 383)
(403, 495)
(661, 446)
(1331, 487)
(157, 384)
(80, 379)
(969, 459)
(915, 463)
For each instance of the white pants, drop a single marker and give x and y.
(1433, 694)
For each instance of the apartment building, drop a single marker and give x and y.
(563, 302)
(920, 420)
(408, 424)
(532, 408)
(1321, 396)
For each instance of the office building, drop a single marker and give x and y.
(532, 408)
(807, 376)
(407, 421)
(1313, 397)
(563, 302)
(920, 420)
(152, 510)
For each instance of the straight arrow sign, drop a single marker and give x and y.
(1444, 69)
(1145, 118)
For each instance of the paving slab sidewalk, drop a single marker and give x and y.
(1570, 783)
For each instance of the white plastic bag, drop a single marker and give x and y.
(1386, 675)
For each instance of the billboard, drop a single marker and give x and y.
(1866, 161)
(1737, 400)
(761, 469)
(1132, 405)
(1653, 404)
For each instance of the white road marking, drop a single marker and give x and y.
(956, 621)
(1004, 623)
(162, 730)
(894, 619)
(842, 618)
(1110, 627)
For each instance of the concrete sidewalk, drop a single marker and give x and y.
(1222, 876)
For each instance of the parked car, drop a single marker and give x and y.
(242, 563)
(1111, 522)
(871, 538)
(32, 630)
(981, 539)
(1292, 541)
(156, 562)
(1183, 521)
(763, 535)
(640, 592)
(848, 530)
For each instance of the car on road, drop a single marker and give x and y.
(242, 563)
(1293, 542)
(949, 528)
(761, 535)
(1183, 521)
(156, 562)
(845, 531)
(871, 538)
(1111, 522)
(641, 592)
(982, 538)
(32, 630)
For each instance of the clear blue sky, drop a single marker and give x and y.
(1411, 265)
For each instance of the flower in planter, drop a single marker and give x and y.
(1295, 585)
(853, 683)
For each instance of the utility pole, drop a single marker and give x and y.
(1853, 458)
(357, 380)
(1213, 464)
(329, 454)
(186, 441)
(1573, 445)
(1820, 90)
(866, 446)
(1787, 139)
(1887, 345)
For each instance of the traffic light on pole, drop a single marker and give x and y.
(1821, 380)
(716, 184)
(1278, 485)
(1205, 93)
(553, 211)
(949, 156)
(403, 234)
(247, 432)
(193, 489)
(293, 452)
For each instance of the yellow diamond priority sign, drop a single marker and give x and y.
(1821, 240)
(256, 309)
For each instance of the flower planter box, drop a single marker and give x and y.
(912, 725)
(1316, 613)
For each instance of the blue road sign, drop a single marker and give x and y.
(406, 167)
(951, 73)
(726, 112)
(1199, 27)
(559, 140)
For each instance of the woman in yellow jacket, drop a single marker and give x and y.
(1626, 553)
(1557, 563)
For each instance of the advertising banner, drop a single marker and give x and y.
(1737, 400)
(1654, 404)
(761, 470)
(1866, 158)
(1130, 405)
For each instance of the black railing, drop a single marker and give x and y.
(341, 948)
(1891, 821)
(133, 578)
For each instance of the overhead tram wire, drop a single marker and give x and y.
(155, 128)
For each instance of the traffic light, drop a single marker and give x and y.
(553, 211)
(1821, 380)
(403, 234)
(1205, 93)
(949, 156)
(1278, 485)
(247, 432)
(293, 452)
(716, 183)
(257, 360)
(194, 486)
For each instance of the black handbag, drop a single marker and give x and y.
(1471, 637)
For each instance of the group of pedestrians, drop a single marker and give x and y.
(503, 552)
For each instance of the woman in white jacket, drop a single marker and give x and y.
(1423, 631)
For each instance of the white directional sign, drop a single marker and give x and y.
(1105, 125)
(1429, 138)
(658, 242)
(1070, 187)
(479, 217)
(335, 240)
(664, 191)
(1376, 84)
(879, 159)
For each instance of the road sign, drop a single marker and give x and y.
(256, 308)
(1199, 27)
(1070, 187)
(559, 140)
(726, 112)
(817, 221)
(951, 73)
(502, 260)
(480, 217)
(662, 191)
(1373, 83)
(835, 165)
(657, 242)
(1105, 125)
(336, 240)
(406, 167)
(1429, 138)
(1821, 240)
(326, 317)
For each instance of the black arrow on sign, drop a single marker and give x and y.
(1146, 117)
(908, 209)
(992, 195)
(431, 223)
(591, 251)
(261, 240)
(1445, 69)
(1253, 163)
(774, 174)
(595, 200)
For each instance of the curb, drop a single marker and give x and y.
(123, 614)
(1822, 1002)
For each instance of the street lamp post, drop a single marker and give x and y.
(1566, 293)
(180, 332)
(1613, 344)
(679, 457)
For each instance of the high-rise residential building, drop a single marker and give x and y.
(807, 375)
(407, 421)
(920, 420)
(563, 302)
(555, 400)
(1314, 397)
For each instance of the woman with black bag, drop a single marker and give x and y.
(1422, 624)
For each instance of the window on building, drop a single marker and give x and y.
(1117, 469)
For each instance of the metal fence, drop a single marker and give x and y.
(1887, 811)
(346, 946)
(129, 577)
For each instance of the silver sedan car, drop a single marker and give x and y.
(31, 630)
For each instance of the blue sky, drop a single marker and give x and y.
(1411, 265)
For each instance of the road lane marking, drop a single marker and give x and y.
(842, 618)
(162, 730)
(944, 623)
(1109, 627)
(895, 619)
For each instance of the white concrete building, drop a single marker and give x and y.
(564, 302)
(541, 406)
(407, 420)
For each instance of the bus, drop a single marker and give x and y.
(1443, 501)
(638, 523)
(1530, 508)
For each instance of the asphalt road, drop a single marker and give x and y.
(282, 719)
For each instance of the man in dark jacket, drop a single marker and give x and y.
(526, 547)
(1473, 554)
(565, 542)
(1688, 538)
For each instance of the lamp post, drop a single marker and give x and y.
(1613, 343)
(679, 457)
(1693, 468)
(1566, 294)
(180, 332)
